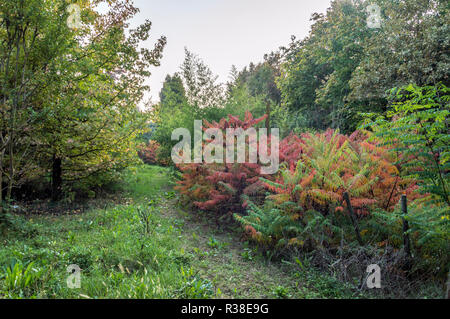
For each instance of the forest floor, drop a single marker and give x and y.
(144, 244)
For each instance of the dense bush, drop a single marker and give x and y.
(305, 209)
(306, 197)
(428, 230)
(321, 167)
(220, 187)
(417, 126)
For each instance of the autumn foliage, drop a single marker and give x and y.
(306, 197)
(150, 154)
(316, 171)
(320, 167)
(220, 187)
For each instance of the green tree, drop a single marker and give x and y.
(260, 78)
(32, 37)
(417, 125)
(200, 82)
(172, 92)
(411, 46)
(82, 90)
(95, 121)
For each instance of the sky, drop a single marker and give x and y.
(222, 32)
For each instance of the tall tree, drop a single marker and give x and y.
(411, 46)
(172, 92)
(32, 36)
(83, 89)
(317, 70)
(201, 84)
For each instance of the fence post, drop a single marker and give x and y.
(447, 296)
(406, 241)
(353, 217)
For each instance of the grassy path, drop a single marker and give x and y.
(145, 246)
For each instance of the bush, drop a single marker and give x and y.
(220, 187)
(304, 206)
(416, 125)
(329, 164)
(428, 231)
(152, 154)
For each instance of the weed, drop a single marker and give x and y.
(193, 287)
(20, 278)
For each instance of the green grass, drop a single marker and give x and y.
(127, 251)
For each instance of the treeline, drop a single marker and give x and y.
(341, 71)
(71, 81)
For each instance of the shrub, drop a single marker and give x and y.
(304, 206)
(416, 125)
(329, 164)
(269, 226)
(152, 154)
(220, 187)
(276, 227)
(428, 232)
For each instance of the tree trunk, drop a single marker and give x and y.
(353, 217)
(406, 240)
(268, 117)
(11, 173)
(56, 178)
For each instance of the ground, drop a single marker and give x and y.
(144, 244)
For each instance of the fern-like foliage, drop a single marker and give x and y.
(269, 226)
(416, 125)
(330, 164)
(276, 227)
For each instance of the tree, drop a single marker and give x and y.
(316, 71)
(417, 125)
(172, 93)
(81, 89)
(200, 82)
(411, 46)
(260, 78)
(32, 37)
(95, 122)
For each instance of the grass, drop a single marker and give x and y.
(126, 251)
(148, 247)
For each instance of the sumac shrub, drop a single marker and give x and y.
(305, 207)
(329, 164)
(220, 187)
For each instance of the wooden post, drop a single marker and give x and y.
(447, 296)
(353, 217)
(406, 241)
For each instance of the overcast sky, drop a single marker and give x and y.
(222, 32)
